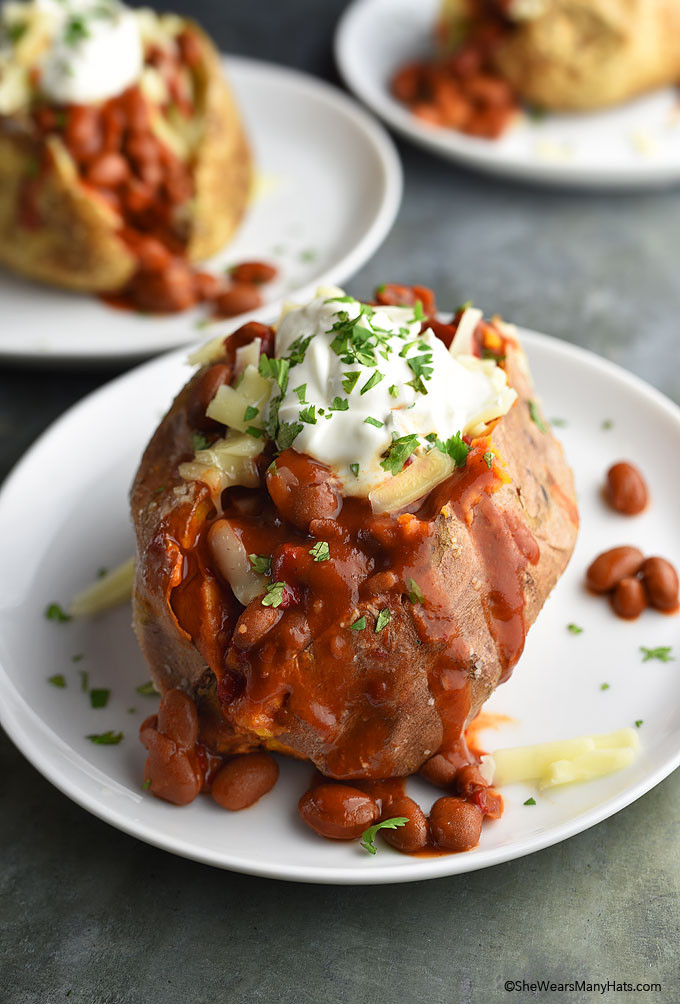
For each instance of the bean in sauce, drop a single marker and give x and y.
(243, 780)
(625, 489)
(338, 811)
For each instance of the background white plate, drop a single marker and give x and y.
(63, 514)
(637, 144)
(329, 187)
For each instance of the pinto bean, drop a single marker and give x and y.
(303, 490)
(626, 490)
(406, 296)
(660, 581)
(178, 718)
(238, 299)
(611, 566)
(137, 196)
(152, 255)
(628, 598)
(165, 292)
(439, 770)
(254, 623)
(488, 90)
(407, 83)
(338, 811)
(244, 779)
(208, 286)
(108, 170)
(455, 825)
(253, 272)
(136, 111)
(82, 133)
(413, 836)
(172, 769)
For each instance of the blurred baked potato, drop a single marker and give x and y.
(94, 191)
(573, 54)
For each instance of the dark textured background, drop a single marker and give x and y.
(90, 915)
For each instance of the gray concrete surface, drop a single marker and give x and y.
(92, 916)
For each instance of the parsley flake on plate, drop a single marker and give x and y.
(368, 836)
(574, 629)
(58, 680)
(109, 738)
(663, 653)
(530, 801)
(147, 689)
(99, 698)
(536, 416)
(54, 612)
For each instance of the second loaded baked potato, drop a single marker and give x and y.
(122, 154)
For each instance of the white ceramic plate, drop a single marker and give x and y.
(63, 514)
(328, 190)
(637, 144)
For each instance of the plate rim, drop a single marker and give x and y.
(469, 151)
(17, 716)
(382, 147)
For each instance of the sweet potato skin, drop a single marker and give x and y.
(76, 244)
(393, 729)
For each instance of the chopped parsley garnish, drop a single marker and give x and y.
(369, 420)
(349, 381)
(199, 442)
(274, 595)
(101, 572)
(308, 256)
(558, 423)
(301, 392)
(530, 801)
(308, 414)
(639, 722)
(418, 312)
(78, 657)
(275, 369)
(604, 686)
(84, 678)
(321, 551)
(76, 30)
(339, 404)
(423, 370)
(574, 629)
(354, 468)
(383, 620)
(146, 689)
(359, 624)
(58, 680)
(253, 431)
(488, 459)
(456, 448)
(109, 738)
(99, 698)
(298, 349)
(663, 653)
(287, 434)
(415, 593)
(381, 288)
(15, 31)
(54, 612)
(272, 469)
(398, 453)
(607, 424)
(146, 784)
(465, 306)
(372, 381)
(261, 563)
(250, 413)
(368, 836)
(536, 416)
(393, 390)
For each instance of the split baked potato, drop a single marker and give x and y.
(354, 616)
(572, 54)
(86, 186)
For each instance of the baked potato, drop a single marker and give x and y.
(572, 54)
(320, 568)
(114, 176)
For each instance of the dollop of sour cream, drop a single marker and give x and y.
(95, 50)
(361, 377)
